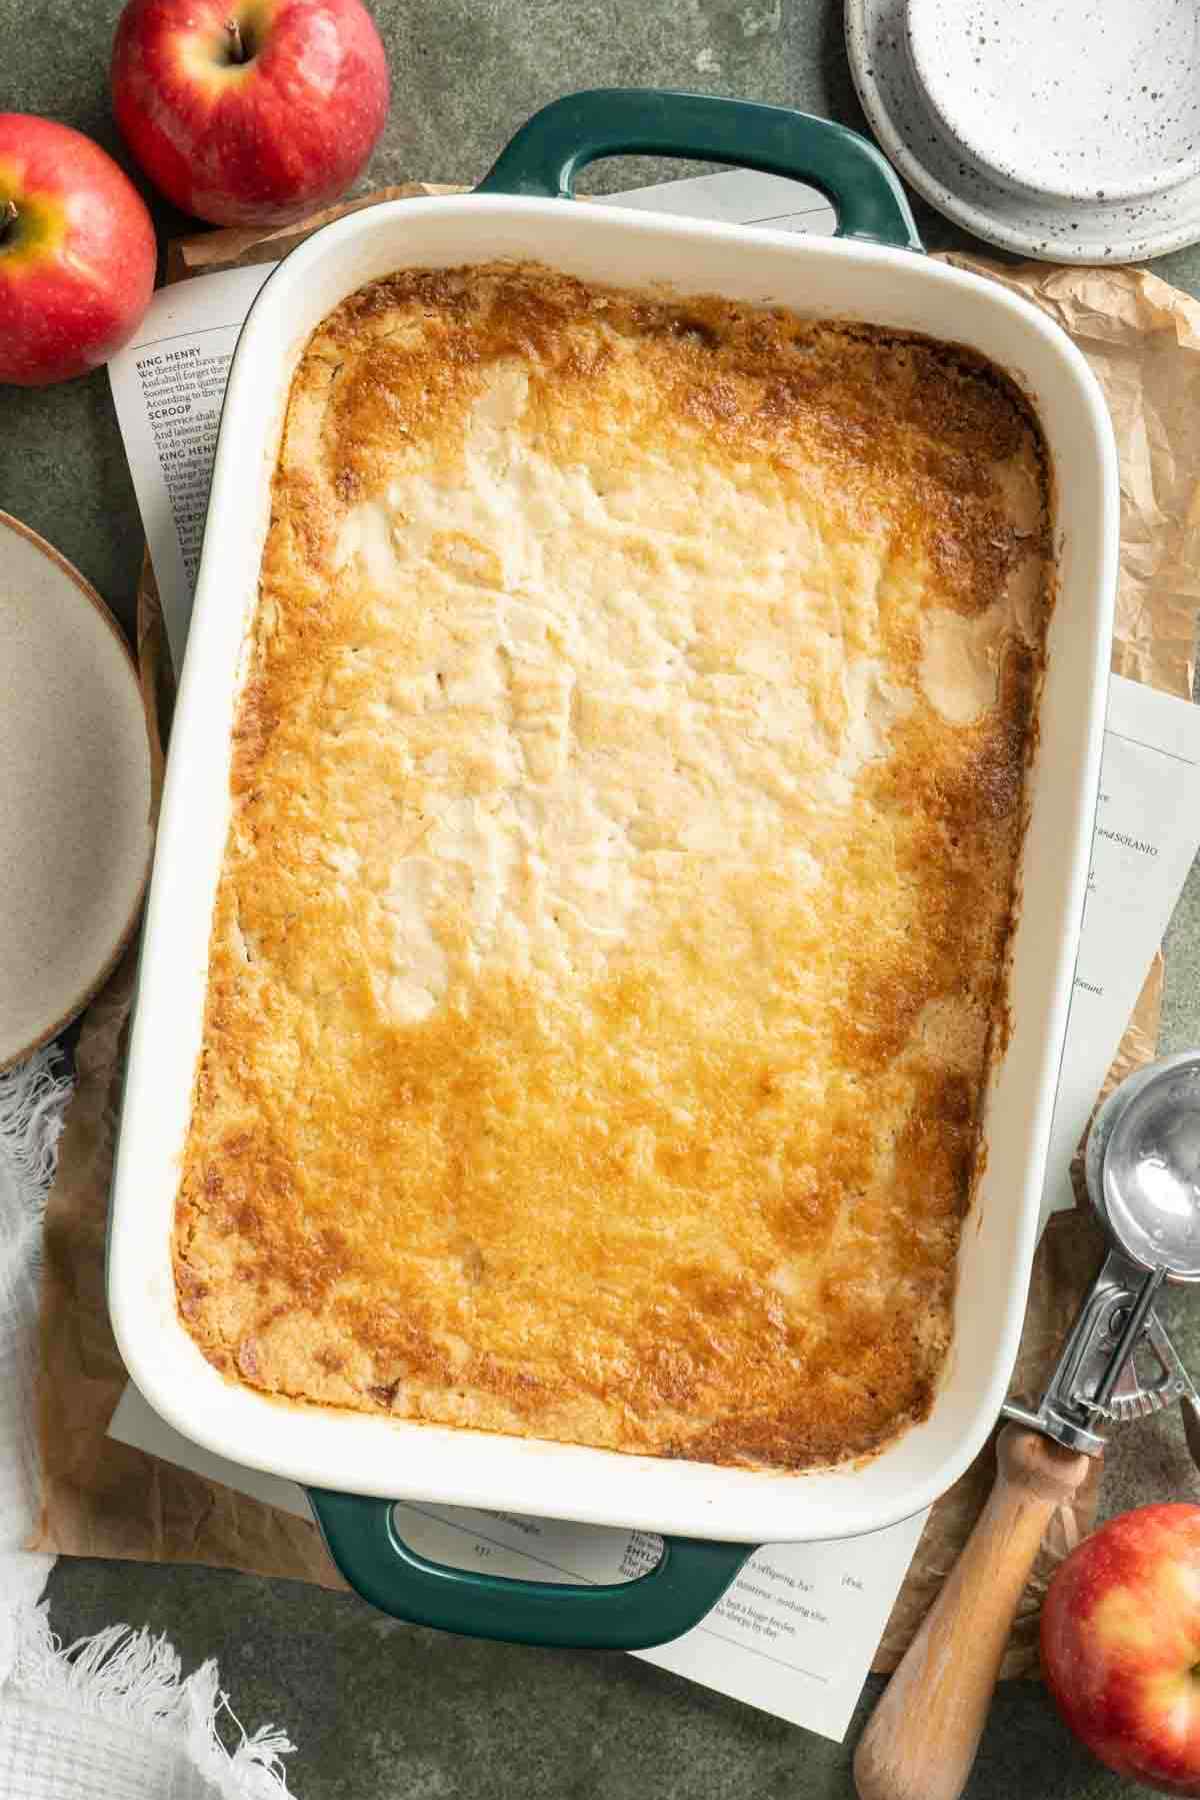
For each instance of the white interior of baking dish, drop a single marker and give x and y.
(373, 1455)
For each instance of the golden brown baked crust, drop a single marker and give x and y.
(626, 803)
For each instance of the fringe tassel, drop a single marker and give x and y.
(120, 1675)
(133, 1679)
(32, 1098)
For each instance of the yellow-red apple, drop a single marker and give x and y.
(249, 112)
(76, 252)
(1121, 1645)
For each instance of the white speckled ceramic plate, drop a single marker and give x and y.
(75, 791)
(996, 115)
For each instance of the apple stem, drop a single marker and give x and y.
(8, 218)
(237, 50)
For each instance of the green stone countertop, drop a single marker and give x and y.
(380, 1710)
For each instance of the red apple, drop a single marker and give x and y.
(76, 253)
(1121, 1645)
(249, 112)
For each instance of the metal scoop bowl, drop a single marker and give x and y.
(1143, 1166)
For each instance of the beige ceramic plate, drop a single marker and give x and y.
(75, 791)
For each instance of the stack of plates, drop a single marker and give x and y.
(1067, 131)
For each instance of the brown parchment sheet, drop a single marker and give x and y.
(100, 1498)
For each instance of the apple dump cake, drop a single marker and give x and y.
(626, 809)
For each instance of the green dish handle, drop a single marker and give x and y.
(548, 152)
(662, 1604)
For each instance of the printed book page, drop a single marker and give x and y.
(168, 385)
(1147, 834)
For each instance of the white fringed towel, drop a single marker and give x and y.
(111, 1717)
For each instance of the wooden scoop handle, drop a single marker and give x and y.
(921, 1741)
